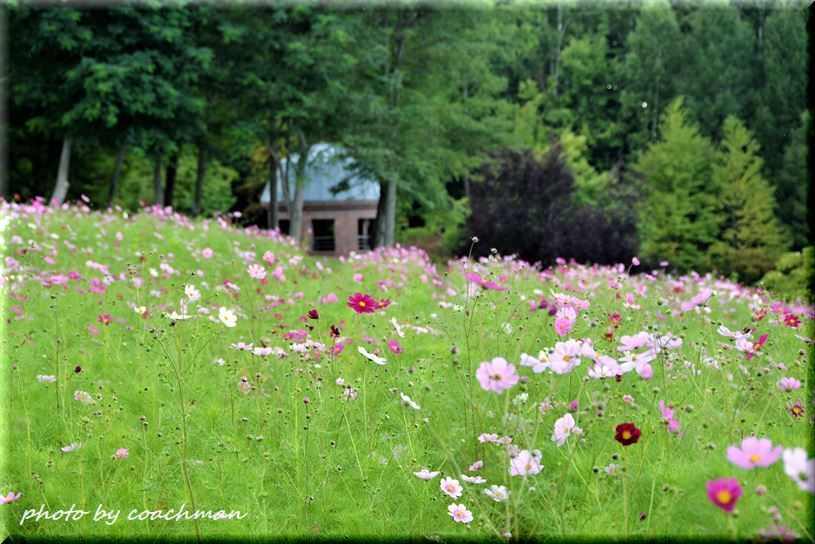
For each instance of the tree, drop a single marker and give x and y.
(719, 76)
(793, 186)
(652, 60)
(751, 239)
(526, 206)
(783, 95)
(678, 216)
(425, 106)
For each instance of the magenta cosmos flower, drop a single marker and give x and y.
(362, 304)
(394, 346)
(754, 452)
(496, 375)
(724, 493)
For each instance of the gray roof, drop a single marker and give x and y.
(326, 169)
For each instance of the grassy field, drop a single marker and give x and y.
(153, 364)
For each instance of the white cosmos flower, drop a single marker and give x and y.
(192, 293)
(73, 446)
(227, 317)
(409, 402)
(497, 493)
(371, 357)
(799, 468)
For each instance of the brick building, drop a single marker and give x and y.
(339, 204)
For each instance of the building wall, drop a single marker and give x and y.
(346, 216)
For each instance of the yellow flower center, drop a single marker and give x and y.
(362, 303)
(755, 458)
(724, 496)
(567, 358)
(626, 435)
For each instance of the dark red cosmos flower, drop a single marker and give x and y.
(791, 320)
(796, 410)
(362, 304)
(313, 314)
(335, 332)
(627, 434)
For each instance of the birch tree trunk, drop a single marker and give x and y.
(199, 180)
(61, 187)
(117, 172)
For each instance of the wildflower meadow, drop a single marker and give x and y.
(167, 377)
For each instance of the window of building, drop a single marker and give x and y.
(323, 235)
(365, 228)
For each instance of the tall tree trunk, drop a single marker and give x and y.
(271, 211)
(169, 181)
(158, 190)
(378, 237)
(199, 180)
(117, 172)
(61, 187)
(296, 206)
(390, 213)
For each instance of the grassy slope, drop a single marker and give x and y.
(350, 473)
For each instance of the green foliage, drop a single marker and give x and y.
(652, 59)
(751, 238)
(719, 75)
(793, 185)
(137, 183)
(678, 216)
(794, 275)
(783, 93)
(442, 233)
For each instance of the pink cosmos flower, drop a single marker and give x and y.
(11, 497)
(425, 474)
(567, 356)
(459, 513)
(537, 365)
(668, 415)
(104, 319)
(630, 343)
(256, 271)
(121, 454)
(751, 349)
(497, 375)
(486, 284)
(362, 304)
(394, 346)
(525, 462)
(207, 253)
(451, 487)
(358, 278)
(476, 466)
(564, 427)
(788, 384)
(635, 261)
(754, 452)
(724, 493)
